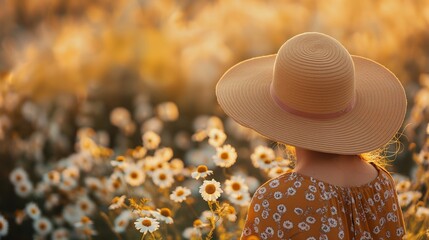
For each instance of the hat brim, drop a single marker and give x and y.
(243, 92)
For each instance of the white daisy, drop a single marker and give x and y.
(216, 137)
(225, 156)
(71, 172)
(405, 198)
(201, 172)
(164, 214)
(32, 210)
(236, 185)
(150, 164)
(120, 116)
(68, 184)
(18, 175)
(117, 202)
(277, 171)
(71, 214)
(210, 190)
(205, 218)
(41, 189)
(53, 177)
(403, 186)
(242, 199)
(120, 162)
(115, 183)
(422, 212)
(42, 226)
(93, 184)
(52, 201)
(167, 111)
(163, 178)
(231, 214)
(146, 211)
(139, 152)
(86, 205)
(4, 226)
(152, 124)
(177, 166)
(180, 194)
(85, 226)
(84, 222)
(151, 140)
(121, 221)
(199, 136)
(24, 188)
(164, 154)
(192, 233)
(263, 157)
(146, 224)
(134, 175)
(203, 221)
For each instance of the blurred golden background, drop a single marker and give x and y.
(179, 49)
(122, 68)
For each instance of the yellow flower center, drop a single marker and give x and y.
(1, 225)
(240, 197)
(84, 206)
(210, 188)
(162, 176)
(267, 161)
(18, 177)
(120, 159)
(224, 156)
(230, 210)
(33, 211)
(263, 156)
(42, 226)
(85, 220)
(197, 223)
(134, 175)
(180, 192)
(121, 223)
(116, 184)
(165, 212)
(202, 168)
(23, 188)
(236, 186)
(146, 223)
(51, 176)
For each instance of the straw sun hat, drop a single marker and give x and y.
(315, 95)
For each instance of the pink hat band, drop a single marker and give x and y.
(315, 116)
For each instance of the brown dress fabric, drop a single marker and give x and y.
(295, 206)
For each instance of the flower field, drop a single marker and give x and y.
(110, 129)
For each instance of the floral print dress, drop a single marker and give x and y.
(295, 206)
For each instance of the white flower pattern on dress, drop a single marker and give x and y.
(295, 206)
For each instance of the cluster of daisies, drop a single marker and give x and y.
(67, 196)
(144, 190)
(410, 191)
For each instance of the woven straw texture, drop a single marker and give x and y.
(313, 75)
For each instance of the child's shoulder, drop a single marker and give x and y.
(286, 184)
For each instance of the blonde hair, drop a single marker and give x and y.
(383, 156)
